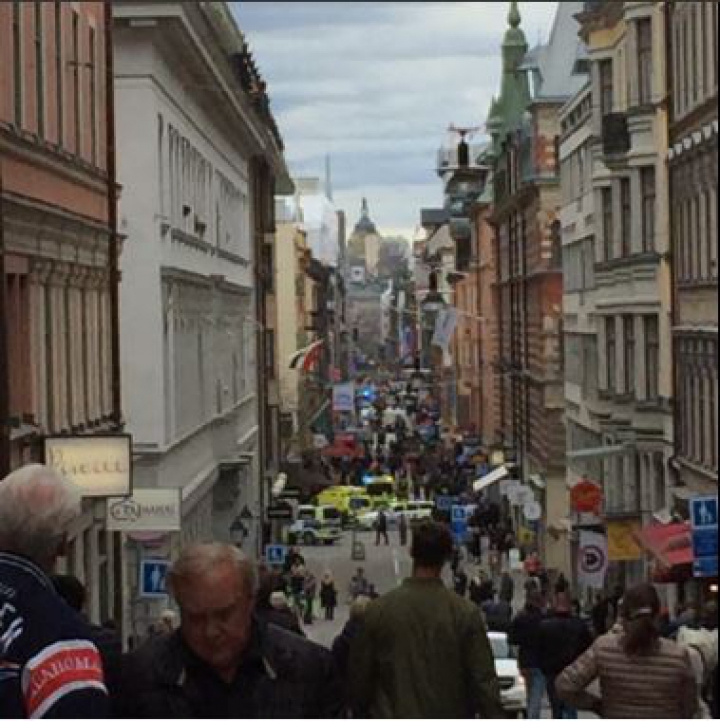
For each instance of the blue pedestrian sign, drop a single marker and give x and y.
(275, 554)
(459, 523)
(704, 521)
(153, 577)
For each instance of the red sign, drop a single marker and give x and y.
(586, 497)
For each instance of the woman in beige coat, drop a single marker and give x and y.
(640, 674)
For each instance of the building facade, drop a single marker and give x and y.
(196, 323)
(693, 157)
(59, 363)
(524, 122)
(631, 273)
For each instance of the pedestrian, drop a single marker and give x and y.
(381, 525)
(641, 675)
(297, 586)
(562, 637)
(524, 633)
(403, 529)
(497, 614)
(561, 584)
(328, 595)
(343, 641)
(474, 590)
(39, 631)
(223, 662)
(358, 585)
(460, 582)
(277, 610)
(309, 593)
(395, 672)
(507, 587)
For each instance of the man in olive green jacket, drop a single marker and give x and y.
(423, 651)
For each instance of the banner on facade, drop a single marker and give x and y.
(621, 541)
(592, 560)
(101, 465)
(444, 328)
(147, 509)
(344, 397)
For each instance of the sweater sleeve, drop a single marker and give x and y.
(572, 683)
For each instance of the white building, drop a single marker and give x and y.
(186, 133)
(319, 219)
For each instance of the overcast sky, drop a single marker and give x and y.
(375, 85)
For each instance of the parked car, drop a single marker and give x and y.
(513, 692)
(316, 524)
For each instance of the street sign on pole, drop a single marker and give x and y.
(704, 522)
(275, 554)
(458, 518)
(153, 577)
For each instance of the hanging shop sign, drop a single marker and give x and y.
(586, 497)
(101, 465)
(532, 511)
(147, 509)
(621, 541)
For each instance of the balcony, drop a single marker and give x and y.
(615, 135)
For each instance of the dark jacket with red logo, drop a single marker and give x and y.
(49, 667)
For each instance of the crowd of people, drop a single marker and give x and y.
(237, 649)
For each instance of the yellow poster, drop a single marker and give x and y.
(622, 545)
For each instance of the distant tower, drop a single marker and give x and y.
(328, 179)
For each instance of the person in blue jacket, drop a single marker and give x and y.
(49, 665)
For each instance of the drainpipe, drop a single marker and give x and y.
(4, 366)
(113, 247)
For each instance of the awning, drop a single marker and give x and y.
(601, 451)
(670, 544)
(490, 478)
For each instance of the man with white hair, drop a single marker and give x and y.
(223, 661)
(49, 666)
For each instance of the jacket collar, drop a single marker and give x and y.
(26, 566)
(179, 657)
(419, 582)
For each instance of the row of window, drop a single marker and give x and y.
(71, 62)
(694, 218)
(694, 58)
(61, 330)
(579, 266)
(616, 204)
(696, 391)
(198, 198)
(208, 357)
(632, 363)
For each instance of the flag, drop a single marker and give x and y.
(305, 358)
(444, 328)
(592, 561)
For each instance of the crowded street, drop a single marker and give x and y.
(359, 359)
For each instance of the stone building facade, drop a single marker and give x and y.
(60, 371)
(693, 167)
(626, 48)
(524, 123)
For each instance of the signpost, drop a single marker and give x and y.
(153, 577)
(458, 518)
(704, 521)
(275, 554)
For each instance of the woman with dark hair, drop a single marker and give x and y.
(641, 674)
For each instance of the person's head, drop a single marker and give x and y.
(640, 612)
(36, 506)
(70, 589)
(357, 609)
(168, 621)
(327, 577)
(215, 584)
(432, 546)
(534, 600)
